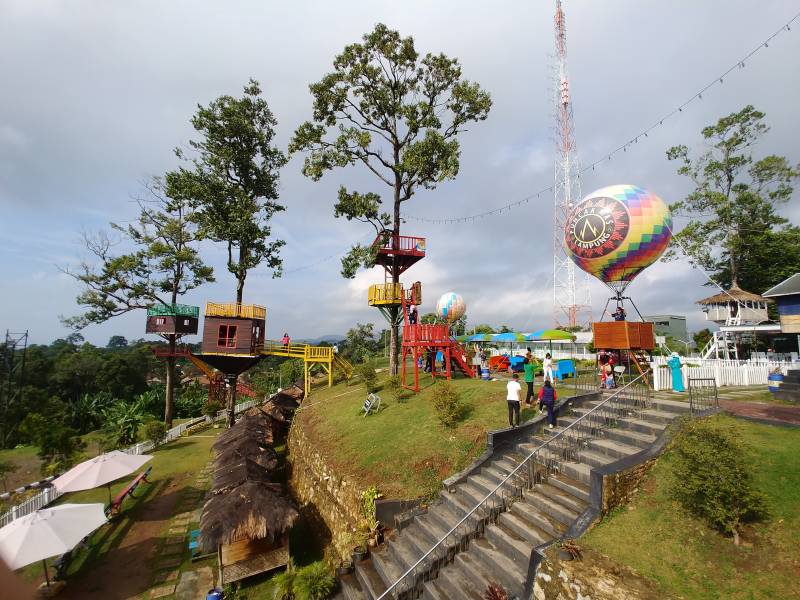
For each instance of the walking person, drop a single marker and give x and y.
(512, 397)
(530, 372)
(547, 399)
(476, 362)
(547, 366)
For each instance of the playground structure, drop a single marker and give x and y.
(396, 254)
(233, 342)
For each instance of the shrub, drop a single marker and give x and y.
(155, 431)
(712, 476)
(395, 387)
(212, 407)
(190, 400)
(283, 584)
(447, 403)
(291, 371)
(314, 582)
(366, 371)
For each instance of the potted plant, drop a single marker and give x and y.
(345, 567)
(360, 553)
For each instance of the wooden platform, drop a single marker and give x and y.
(623, 335)
(245, 558)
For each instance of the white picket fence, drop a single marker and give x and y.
(49, 494)
(724, 372)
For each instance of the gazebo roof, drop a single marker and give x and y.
(787, 287)
(734, 293)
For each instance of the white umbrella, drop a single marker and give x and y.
(48, 532)
(100, 470)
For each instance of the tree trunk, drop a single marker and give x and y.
(394, 338)
(230, 400)
(239, 289)
(169, 394)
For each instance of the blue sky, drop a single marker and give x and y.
(96, 95)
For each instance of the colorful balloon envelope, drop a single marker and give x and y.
(616, 232)
(450, 307)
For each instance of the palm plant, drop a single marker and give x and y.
(123, 420)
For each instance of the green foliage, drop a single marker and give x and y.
(190, 400)
(6, 469)
(447, 403)
(395, 387)
(483, 328)
(291, 370)
(122, 422)
(232, 180)
(283, 583)
(428, 319)
(368, 498)
(702, 337)
(713, 476)
(314, 582)
(359, 342)
(211, 408)
(86, 413)
(117, 341)
(734, 229)
(366, 371)
(155, 431)
(58, 446)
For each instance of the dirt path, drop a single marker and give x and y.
(126, 571)
(762, 411)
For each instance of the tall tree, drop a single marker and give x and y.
(232, 182)
(161, 265)
(734, 230)
(397, 115)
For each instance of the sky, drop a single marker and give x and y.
(97, 95)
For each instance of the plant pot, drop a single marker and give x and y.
(345, 567)
(360, 553)
(564, 555)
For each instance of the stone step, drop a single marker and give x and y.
(595, 459)
(787, 395)
(642, 426)
(385, 566)
(486, 484)
(406, 549)
(657, 416)
(677, 407)
(551, 507)
(613, 448)
(626, 436)
(509, 542)
(571, 486)
(491, 562)
(556, 494)
(524, 528)
(351, 589)
(533, 514)
(368, 578)
(454, 584)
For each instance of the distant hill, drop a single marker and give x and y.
(330, 338)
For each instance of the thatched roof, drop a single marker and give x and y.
(253, 510)
(257, 427)
(268, 410)
(227, 477)
(246, 447)
(735, 293)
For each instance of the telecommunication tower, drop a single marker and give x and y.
(571, 299)
(12, 378)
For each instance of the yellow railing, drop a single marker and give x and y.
(385, 293)
(234, 310)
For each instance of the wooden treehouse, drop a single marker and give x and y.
(233, 336)
(398, 252)
(385, 296)
(738, 314)
(173, 319)
(636, 339)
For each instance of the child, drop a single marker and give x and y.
(512, 397)
(547, 366)
(547, 399)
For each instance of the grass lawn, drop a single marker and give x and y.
(686, 558)
(403, 450)
(28, 466)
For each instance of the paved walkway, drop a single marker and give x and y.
(778, 414)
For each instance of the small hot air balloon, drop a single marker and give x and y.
(616, 232)
(450, 307)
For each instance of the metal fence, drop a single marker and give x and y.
(49, 494)
(545, 459)
(702, 394)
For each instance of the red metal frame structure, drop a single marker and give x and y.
(400, 251)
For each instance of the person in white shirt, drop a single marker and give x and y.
(512, 397)
(547, 367)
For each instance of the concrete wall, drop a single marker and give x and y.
(331, 502)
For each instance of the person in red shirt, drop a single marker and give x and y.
(547, 399)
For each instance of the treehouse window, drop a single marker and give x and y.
(186, 321)
(161, 321)
(227, 336)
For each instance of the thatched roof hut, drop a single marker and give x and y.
(254, 510)
(258, 428)
(227, 477)
(247, 447)
(734, 293)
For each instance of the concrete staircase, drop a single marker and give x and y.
(790, 387)
(502, 551)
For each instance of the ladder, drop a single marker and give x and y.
(642, 362)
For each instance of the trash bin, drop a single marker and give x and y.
(214, 594)
(485, 374)
(774, 381)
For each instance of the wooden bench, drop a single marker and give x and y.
(128, 490)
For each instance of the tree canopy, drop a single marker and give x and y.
(734, 229)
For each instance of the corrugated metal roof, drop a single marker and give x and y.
(785, 288)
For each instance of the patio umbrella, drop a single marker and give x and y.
(48, 532)
(100, 470)
(480, 337)
(509, 336)
(549, 335)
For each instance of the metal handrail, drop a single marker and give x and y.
(698, 401)
(513, 473)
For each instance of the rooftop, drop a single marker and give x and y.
(232, 309)
(173, 310)
(734, 293)
(787, 287)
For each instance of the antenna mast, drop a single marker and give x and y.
(571, 305)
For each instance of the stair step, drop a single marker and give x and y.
(485, 484)
(657, 416)
(493, 565)
(351, 589)
(535, 516)
(613, 448)
(369, 579)
(404, 551)
(571, 486)
(554, 509)
(556, 494)
(626, 436)
(524, 528)
(595, 459)
(671, 406)
(455, 584)
(642, 426)
(509, 542)
(386, 566)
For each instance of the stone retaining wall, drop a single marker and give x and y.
(328, 500)
(592, 577)
(619, 488)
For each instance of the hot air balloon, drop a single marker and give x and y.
(450, 307)
(616, 232)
